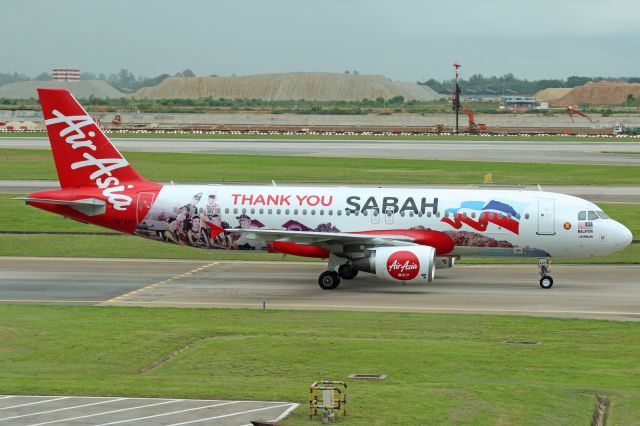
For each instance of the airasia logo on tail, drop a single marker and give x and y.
(403, 265)
(101, 168)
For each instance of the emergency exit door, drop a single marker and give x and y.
(546, 217)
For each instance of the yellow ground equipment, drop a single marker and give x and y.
(330, 397)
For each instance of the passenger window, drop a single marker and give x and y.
(278, 211)
(304, 211)
(464, 215)
(321, 212)
(269, 211)
(526, 215)
(261, 211)
(286, 212)
(490, 215)
(402, 214)
(437, 214)
(226, 211)
(420, 214)
(330, 212)
(339, 212)
(473, 215)
(244, 211)
(428, 214)
(582, 215)
(446, 214)
(253, 211)
(295, 211)
(411, 213)
(348, 212)
(592, 215)
(365, 213)
(235, 211)
(313, 212)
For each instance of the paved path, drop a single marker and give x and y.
(582, 291)
(614, 152)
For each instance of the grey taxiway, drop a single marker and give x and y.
(616, 151)
(581, 291)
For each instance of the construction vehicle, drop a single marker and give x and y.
(621, 129)
(473, 126)
(571, 111)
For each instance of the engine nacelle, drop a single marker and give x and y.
(406, 264)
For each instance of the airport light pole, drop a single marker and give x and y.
(456, 95)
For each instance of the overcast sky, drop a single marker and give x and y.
(405, 40)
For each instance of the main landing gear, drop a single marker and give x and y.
(347, 271)
(330, 279)
(546, 281)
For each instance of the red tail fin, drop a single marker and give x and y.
(82, 153)
(98, 184)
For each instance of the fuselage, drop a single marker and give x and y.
(481, 222)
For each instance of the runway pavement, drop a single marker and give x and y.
(613, 152)
(594, 193)
(580, 291)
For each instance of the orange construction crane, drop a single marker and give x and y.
(473, 126)
(571, 111)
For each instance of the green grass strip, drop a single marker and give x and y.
(38, 164)
(442, 369)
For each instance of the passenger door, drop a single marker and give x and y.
(546, 217)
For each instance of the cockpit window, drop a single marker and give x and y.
(592, 215)
(582, 215)
(602, 214)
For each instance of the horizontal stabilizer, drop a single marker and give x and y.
(88, 206)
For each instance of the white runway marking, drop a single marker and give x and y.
(108, 412)
(62, 409)
(38, 402)
(230, 415)
(170, 413)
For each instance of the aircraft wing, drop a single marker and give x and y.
(324, 238)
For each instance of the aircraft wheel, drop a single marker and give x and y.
(347, 272)
(546, 282)
(329, 280)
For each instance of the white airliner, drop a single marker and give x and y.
(400, 235)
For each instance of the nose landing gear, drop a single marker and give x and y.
(546, 281)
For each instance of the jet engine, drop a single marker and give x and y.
(405, 264)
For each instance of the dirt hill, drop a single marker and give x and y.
(550, 95)
(310, 86)
(599, 93)
(80, 89)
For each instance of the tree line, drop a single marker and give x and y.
(124, 80)
(508, 84)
